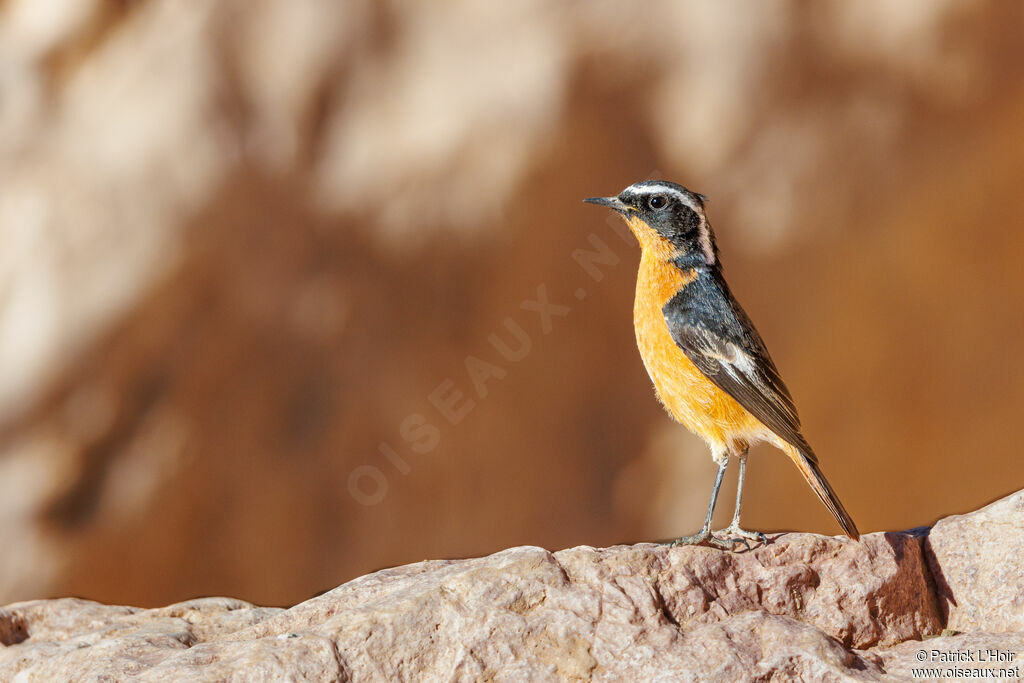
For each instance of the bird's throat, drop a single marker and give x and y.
(659, 280)
(649, 239)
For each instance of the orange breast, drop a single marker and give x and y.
(688, 396)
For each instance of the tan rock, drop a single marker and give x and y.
(797, 605)
(977, 563)
(804, 607)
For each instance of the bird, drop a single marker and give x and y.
(709, 366)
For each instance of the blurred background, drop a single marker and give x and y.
(293, 290)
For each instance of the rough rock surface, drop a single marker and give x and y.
(804, 606)
(977, 563)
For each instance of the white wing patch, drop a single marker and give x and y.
(739, 364)
(744, 369)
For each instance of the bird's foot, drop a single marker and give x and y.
(703, 537)
(733, 534)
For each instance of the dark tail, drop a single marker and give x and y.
(807, 463)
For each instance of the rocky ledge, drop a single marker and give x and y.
(802, 607)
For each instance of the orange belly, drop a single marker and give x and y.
(688, 396)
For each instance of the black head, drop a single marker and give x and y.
(670, 211)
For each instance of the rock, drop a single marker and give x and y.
(861, 594)
(976, 561)
(803, 607)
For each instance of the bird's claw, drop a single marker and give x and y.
(734, 534)
(703, 537)
(745, 542)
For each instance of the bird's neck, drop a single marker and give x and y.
(659, 279)
(656, 248)
(693, 261)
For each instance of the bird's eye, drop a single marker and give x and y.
(656, 202)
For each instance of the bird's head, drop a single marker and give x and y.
(668, 220)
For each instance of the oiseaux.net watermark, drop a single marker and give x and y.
(454, 398)
(973, 663)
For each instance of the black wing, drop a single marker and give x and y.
(707, 323)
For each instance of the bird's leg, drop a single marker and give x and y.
(704, 537)
(733, 532)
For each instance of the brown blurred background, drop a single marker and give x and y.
(243, 243)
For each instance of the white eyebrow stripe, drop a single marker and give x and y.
(664, 189)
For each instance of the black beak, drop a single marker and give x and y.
(610, 202)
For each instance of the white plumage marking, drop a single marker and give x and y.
(704, 238)
(684, 197)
